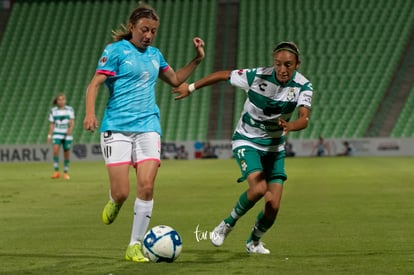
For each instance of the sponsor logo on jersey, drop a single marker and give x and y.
(262, 87)
(155, 63)
(307, 98)
(144, 80)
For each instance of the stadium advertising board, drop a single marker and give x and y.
(360, 146)
(215, 149)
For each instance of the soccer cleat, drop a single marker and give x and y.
(66, 176)
(134, 253)
(220, 233)
(55, 175)
(256, 248)
(110, 212)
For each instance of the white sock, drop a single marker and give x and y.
(142, 217)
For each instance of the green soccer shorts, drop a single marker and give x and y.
(64, 142)
(250, 160)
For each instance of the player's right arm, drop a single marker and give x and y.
(49, 134)
(184, 91)
(90, 122)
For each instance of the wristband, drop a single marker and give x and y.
(49, 136)
(191, 88)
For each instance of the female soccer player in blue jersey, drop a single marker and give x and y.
(130, 130)
(62, 120)
(273, 93)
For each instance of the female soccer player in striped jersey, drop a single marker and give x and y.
(273, 93)
(130, 130)
(62, 120)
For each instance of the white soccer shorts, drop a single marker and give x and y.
(130, 148)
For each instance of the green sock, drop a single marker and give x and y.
(242, 206)
(66, 165)
(261, 226)
(56, 163)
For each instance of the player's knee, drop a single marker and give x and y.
(257, 184)
(273, 205)
(120, 195)
(258, 190)
(146, 189)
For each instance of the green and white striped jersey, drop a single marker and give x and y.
(267, 101)
(61, 120)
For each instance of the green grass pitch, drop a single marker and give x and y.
(338, 216)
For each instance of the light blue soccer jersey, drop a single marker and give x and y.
(132, 75)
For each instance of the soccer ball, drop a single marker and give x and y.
(162, 244)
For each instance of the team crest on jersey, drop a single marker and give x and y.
(103, 60)
(291, 94)
(240, 72)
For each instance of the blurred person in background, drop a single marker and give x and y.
(289, 149)
(181, 153)
(209, 152)
(62, 120)
(348, 150)
(321, 148)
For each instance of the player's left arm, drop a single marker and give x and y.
(177, 78)
(300, 123)
(71, 125)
